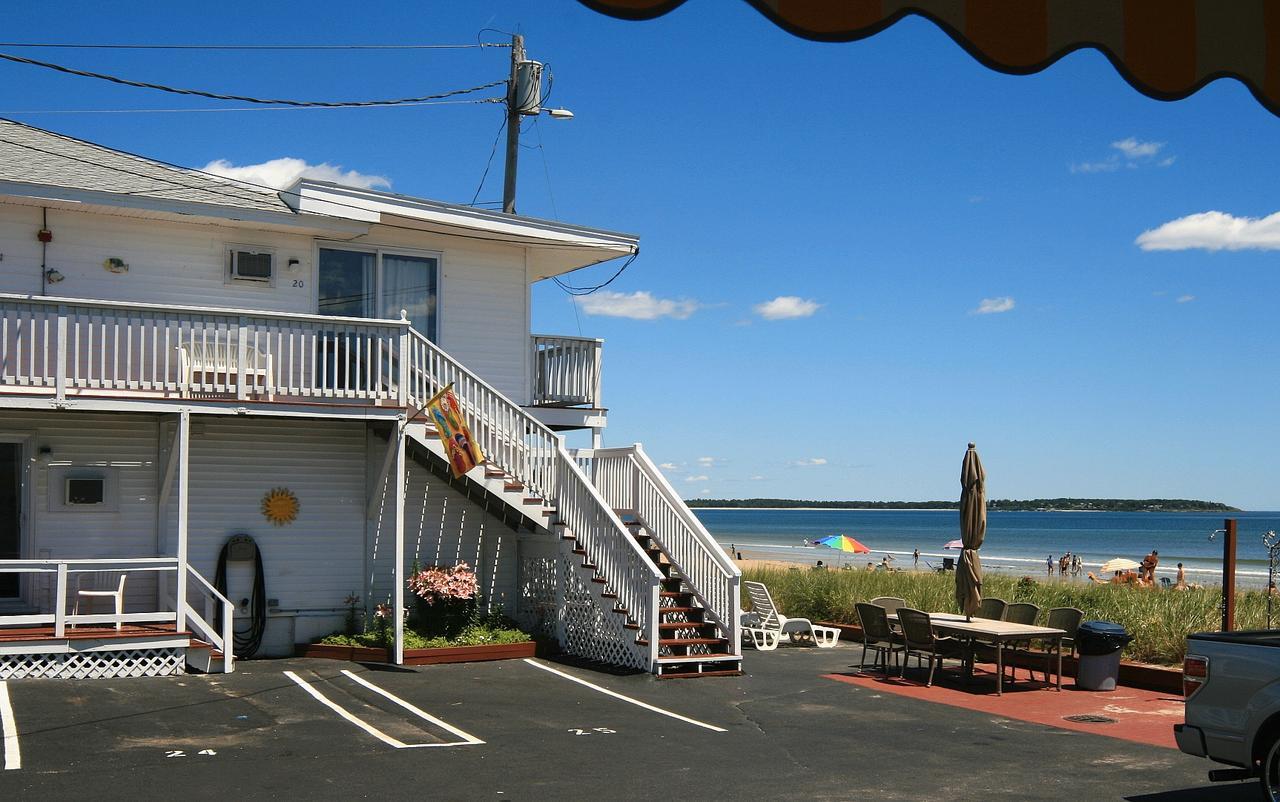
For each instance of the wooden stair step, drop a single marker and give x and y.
(664, 610)
(729, 672)
(700, 658)
(494, 473)
(677, 625)
(512, 486)
(691, 641)
(673, 594)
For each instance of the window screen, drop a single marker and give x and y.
(86, 491)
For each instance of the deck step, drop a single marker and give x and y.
(678, 625)
(691, 641)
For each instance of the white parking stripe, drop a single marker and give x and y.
(636, 702)
(374, 731)
(466, 738)
(9, 729)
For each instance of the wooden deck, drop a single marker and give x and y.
(127, 632)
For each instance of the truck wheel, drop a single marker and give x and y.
(1269, 772)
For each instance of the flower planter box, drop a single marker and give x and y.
(1135, 675)
(419, 657)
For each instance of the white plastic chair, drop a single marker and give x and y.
(766, 626)
(101, 585)
(202, 364)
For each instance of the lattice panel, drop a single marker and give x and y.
(94, 665)
(539, 607)
(591, 629)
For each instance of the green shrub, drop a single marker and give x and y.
(1159, 620)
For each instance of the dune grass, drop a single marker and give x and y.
(1159, 620)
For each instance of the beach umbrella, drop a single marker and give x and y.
(973, 528)
(954, 544)
(1118, 564)
(843, 543)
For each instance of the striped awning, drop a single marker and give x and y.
(1167, 49)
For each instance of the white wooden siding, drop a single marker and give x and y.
(442, 527)
(484, 300)
(310, 565)
(126, 444)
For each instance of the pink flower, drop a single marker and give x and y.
(435, 583)
(383, 611)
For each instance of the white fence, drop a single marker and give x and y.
(629, 480)
(68, 347)
(566, 371)
(72, 576)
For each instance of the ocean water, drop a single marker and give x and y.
(1015, 541)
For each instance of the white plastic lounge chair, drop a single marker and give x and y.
(101, 585)
(766, 626)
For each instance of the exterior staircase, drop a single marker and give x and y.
(689, 645)
(648, 588)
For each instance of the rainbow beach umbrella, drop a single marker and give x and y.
(842, 543)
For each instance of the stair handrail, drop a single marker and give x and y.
(225, 640)
(537, 457)
(713, 576)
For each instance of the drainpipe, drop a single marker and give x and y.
(44, 236)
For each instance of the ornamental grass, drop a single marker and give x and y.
(1159, 619)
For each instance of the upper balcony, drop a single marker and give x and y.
(61, 352)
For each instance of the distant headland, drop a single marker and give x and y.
(1003, 505)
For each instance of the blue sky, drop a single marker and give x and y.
(887, 190)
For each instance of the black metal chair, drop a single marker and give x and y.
(992, 609)
(877, 635)
(919, 639)
(1019, 613)
(1068, 620)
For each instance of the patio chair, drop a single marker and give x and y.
(1068, 620)
(889, 603)
(765, 625)
(919, 639)
(101, 585)
(877, 635)
(1019, 613)
(991, 609)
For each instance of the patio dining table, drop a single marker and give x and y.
(996, 633)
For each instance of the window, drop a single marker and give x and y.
(86, 491)
(251, 264)
(379, 284)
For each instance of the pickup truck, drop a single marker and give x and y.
(1231, 682)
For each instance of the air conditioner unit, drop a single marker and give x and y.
(249, 265)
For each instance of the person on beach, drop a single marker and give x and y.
(1149, 564)
(1181, 582)
(915, 559)
(1048, 563)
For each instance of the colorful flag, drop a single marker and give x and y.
(459, 446)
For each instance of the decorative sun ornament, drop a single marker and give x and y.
(280, 506)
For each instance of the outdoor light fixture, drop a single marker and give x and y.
(560, 114)
(53, 276)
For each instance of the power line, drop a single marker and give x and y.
(244, 98)
(489, 163)
(578, 292)
(250, 108)
(84, 46)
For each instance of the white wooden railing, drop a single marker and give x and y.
(517, 442)
(64, 588)
(63, 346)
(224, 640)
(566, 371)
(629, 480)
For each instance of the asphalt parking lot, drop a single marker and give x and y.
(526, 729)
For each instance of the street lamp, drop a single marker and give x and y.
(524, 99)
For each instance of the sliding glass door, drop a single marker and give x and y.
(379, 284)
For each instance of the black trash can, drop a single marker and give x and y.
(1100, 644)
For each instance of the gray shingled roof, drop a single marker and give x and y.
(36, 156)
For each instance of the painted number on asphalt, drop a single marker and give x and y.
(181, 753)
(592, 731)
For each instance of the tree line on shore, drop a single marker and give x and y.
(1006, 505)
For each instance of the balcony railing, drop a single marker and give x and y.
(69, 347)
(566, 371)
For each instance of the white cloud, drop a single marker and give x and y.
(639, 305)
(1096, 167)
(785, 307)
(1166, 162)
(699, 478)
(1214, 231)
(281, 173)
(706, 491)
(669, 466)
(810, 461)
(757, 478)
(992, 306)
(1186, 299)
(706, 460)
(1136, 149)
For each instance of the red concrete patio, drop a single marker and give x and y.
(1141, 716)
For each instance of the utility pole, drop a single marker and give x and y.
(513, 127)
